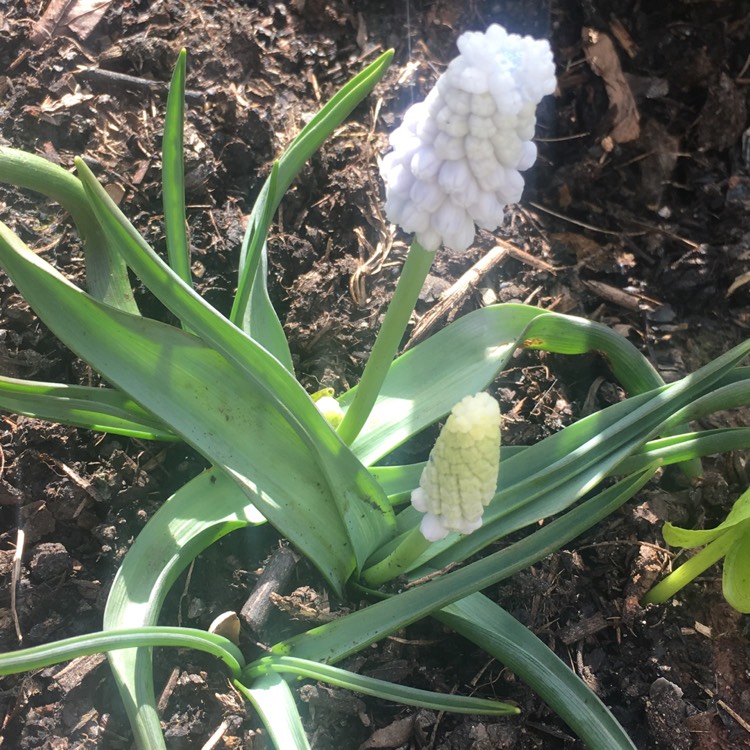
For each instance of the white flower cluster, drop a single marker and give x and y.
(457, 155)
(460, 478)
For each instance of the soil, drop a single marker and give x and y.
(636, 215)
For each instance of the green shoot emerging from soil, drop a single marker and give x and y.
(312, 467)
(730, 540)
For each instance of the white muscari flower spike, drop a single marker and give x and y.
(457, 155)
(460, 478)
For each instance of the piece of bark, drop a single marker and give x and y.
(273, 579)
(602, 57)
(109, 79)
(396, 734)
(636, 303)
(453, 297)
(73, 674)
(65, 16)
(646, 569)
(583, 629)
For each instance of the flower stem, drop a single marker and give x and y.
(416, 268)
(399, 561)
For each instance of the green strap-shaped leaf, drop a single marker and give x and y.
(736, 575)
(207, 400)
(423, 384)
(252, 310)
(104, 409)
(173, 175)
(106, 273)
(677, 448)
(677, 537)
(39, 657)
(198, 514)
(378, 688)
(512, 644)
(700, 563)
(273, 700)
(261, 321)
(730, 539)
(253, 268)
(362, 506)
(347, 635)
(396, 480)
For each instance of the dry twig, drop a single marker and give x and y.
(454, 296)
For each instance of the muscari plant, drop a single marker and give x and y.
(225, 385)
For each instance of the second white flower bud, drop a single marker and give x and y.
(460, 477)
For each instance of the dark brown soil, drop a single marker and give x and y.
(644, 233)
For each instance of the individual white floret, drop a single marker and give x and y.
(501, 87)
(528, 157)
(455, 177)
(469, 139)
(509, 150)
(427, 129)
(454, 224)
(512, 189)
(480, 148)
(459, 101)
(492, 180)
(525, 131)
(430, 239)
(452, 124)
(447, 147)
(415, 114)
(397, 204)
(418, 220)
(405, 143)
(471, 79)
(488, 211)
(399, 180)
(425, 164)
(426, 195)
(460, 477)
(483, 104)
(481, 127)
